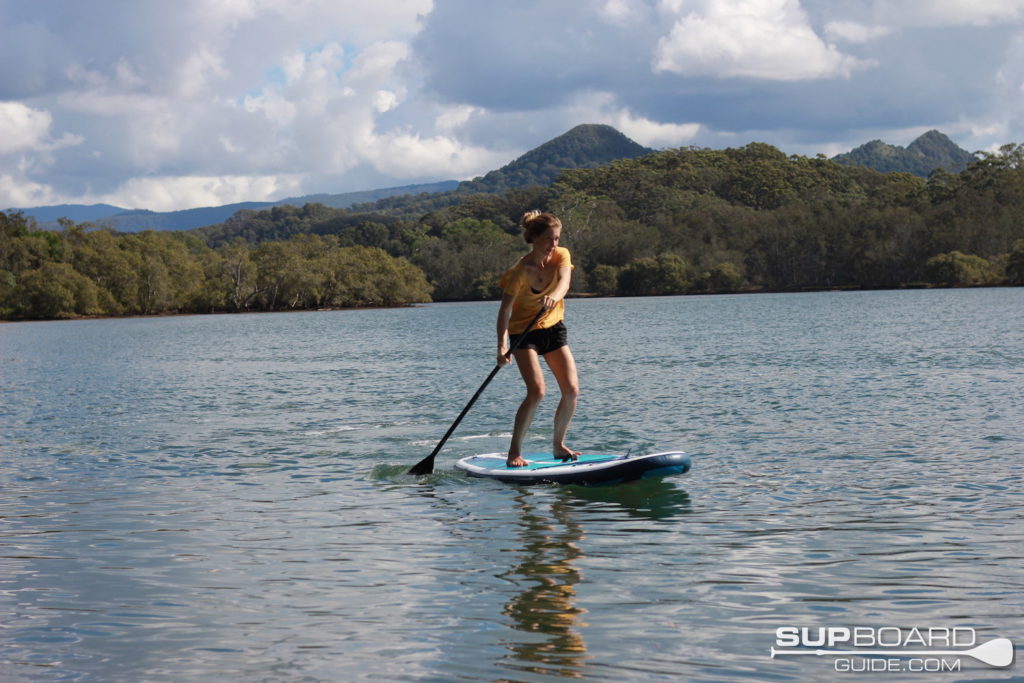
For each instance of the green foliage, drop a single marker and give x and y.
(743, 219)
(1015, 264)
(466, 256)
(725, 277)
(676, 221)
(604, 280)
(929, 153)
(955, 268)
(79, 272)
(584, 146)
(662, 274)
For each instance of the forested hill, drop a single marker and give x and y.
(692, 220)
(680, 221)
(585, 146)
(929, 152)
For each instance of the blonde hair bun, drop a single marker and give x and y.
(528, 216)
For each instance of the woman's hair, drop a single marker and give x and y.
(535, 224)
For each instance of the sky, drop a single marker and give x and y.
(173, 105)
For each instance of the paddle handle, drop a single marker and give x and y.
(426, 466)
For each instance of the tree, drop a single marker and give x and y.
(604, 280)
(1015, 264)
(725, 277)
(239, 274)
(56, 290)
(663, 274)
(956, 268)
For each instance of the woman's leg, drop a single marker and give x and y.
(563, 366)
(533, 376)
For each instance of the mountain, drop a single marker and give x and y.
(136, 220)
(585, 146)
(931, 151)
(79, 213)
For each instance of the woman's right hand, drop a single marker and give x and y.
(503, 355)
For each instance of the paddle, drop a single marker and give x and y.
(426, 465)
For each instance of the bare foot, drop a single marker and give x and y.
(566, 453)
(516, 461)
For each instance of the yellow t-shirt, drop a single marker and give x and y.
(527, 302)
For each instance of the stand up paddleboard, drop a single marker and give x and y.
(588, 470)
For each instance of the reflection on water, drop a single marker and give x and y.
(657, 499)
(546, 609)
(553, 538)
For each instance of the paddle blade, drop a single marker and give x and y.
(424, 466)
(998, 652)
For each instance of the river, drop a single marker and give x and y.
(202, 497)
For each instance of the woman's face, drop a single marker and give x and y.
(546, 242)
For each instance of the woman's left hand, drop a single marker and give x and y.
(548, 302)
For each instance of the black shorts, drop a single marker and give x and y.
(543, 341)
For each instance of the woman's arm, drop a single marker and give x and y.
(564, 277)
(504, 313)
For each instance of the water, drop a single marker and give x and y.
(189, 498)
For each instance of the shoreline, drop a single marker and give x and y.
(571, 295)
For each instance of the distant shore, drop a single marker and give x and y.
(572, 295)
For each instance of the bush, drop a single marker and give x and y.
(956, 268)
(663, 274)
(1015, 264)
(604, 280)
(725, 277)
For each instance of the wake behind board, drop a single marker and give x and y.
(589, 470)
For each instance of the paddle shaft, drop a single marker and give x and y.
(426, 466)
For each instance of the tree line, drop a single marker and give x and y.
(689, 220)
(87, 272)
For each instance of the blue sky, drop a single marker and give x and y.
(160, 105)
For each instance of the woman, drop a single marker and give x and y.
(539, 280)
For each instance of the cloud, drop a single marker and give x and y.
(17, 191)
(409, 155)
(621, 11)
(853, 32)
(166, 105)
(22, 127)
(604, 107)
(171, 193)
(759, 39)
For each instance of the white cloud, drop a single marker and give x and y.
(759, 39)
(16, 191)
(22, 127)
(265, 97)
(853, 32)
(377, 63)
(619, 11)
(171, 193)
(273, 105)
(27, 130)
(603, 107)
(653, 134)
(199, 72)
(456, 117)
(407, 155)
(384, 100)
